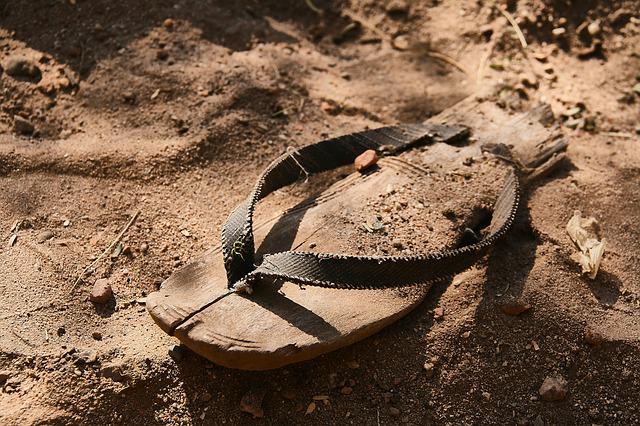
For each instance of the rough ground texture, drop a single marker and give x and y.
(108, 108)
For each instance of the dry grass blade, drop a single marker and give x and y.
(430, 53)
(515, 26)
(313, 7)
(107, 250)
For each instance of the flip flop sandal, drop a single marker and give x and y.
(259, 310)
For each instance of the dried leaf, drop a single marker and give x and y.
(595, 257)
(591, 250)
(116, 251)
(311, 408)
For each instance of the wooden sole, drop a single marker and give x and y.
(282, 322)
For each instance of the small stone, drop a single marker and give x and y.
(486, 396)
(169, 23)
(553, 389)
(366, 160)
(101, 292)
(23, 126)
(144, 248)
(21, 67)
(401, 42)
(429, 369)
(397, 244)
(4, 376)
(594, 28)
(12, 240)
(129, 97)
(438, 313)
(87, 357)
(397, 8)
(114, 372)
(96, 335)
(329, 107)
(44, 236)
(593, 337)
(515, 308)
(66, 223)
(251, 402)
(575, 123)
(347, 390)
(176, 352)
(558, 32)
(394, 412)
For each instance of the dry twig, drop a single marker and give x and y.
(107, 250)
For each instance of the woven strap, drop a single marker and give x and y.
(341, 271)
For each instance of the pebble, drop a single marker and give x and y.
(398, 7)
(23, 126)
(87, 357)
(4, 376)
(19, 66)
(594, 28)
(558, 32)
(114, 372)
(438, 313)
(394, 411)
(44, 236)
(515, 308)
(251, 402)
(329, 107)
(129, 97)
(593, 337)
(397, 244)
(553, 389)
(429, 369)
(401, 42)
(169, 23)
(366, 160)
(176, 352)
(101, 292)
(144, 248)
(347, 390)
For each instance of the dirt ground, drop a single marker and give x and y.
(172, 108)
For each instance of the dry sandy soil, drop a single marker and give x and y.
(172, 108)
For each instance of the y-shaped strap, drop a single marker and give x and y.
(334, 270)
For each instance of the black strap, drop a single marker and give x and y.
(340, 271)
